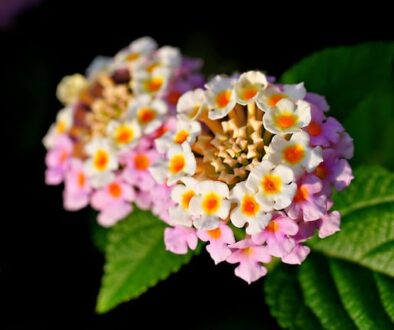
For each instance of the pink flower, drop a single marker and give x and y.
(249, 256)
(297, 255)
(333, 171)
(57, 160)
(323, 131)
(137, 163)
(345, 147)
(161, 201)
(308, 202)
(317, 100)
(113, 202)
(180, 239)
(329, 224)
(277, 235)
(77, 189)
(218, 239)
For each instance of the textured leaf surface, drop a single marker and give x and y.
(136, 259)
(341, 285)
(367, 230)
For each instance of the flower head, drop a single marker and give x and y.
(103, 142)
(264, 167)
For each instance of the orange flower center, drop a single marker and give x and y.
(141, 162)
(286, 120)
(186, 197)
(301, 194)
(215, 233)
(274, 99)
(247, 251)
(314, 129)
(154, 84)
(60, 127)
(181, 136)
(272, 227)
(101, 160)
(249, 206)
(271, 184)
(146, 115)
(211, 203)
(223, 98)
(294, 154)
(81, 179)
(124, 135)
(63, 156)
(115, 190)
(250, 93)
(132, 57)
(177, 164)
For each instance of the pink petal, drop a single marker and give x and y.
(250, 272)
(297, 255)
(330, 224)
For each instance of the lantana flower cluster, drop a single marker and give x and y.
(252, 165)
(102, 143)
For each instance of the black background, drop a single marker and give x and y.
(50, 271)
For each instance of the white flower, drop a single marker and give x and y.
(101, 163)
(249, 86)
(182, 194)
(274, 185)
(64, 121)
(99, 64)
(137, 50)
(210, 204)
(123, 133)
(186, 131)
(272, 95)
(150, 81)
(180, 162)
(249, 210)
(191, 104)
(294, 153)
(287, 117)
(148, 112)
(220, 96)
(70, 87)
(168, 56)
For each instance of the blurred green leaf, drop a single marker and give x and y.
(98, 234)
(136, 259)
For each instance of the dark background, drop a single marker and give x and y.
(50, 270)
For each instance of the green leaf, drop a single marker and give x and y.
(282, 292)
(338, 285)
(136, 259)
(345, 75)
(358, 290)
(320, 295)
(367, 230)
(386, 290)
(358, 82)
(330, 294)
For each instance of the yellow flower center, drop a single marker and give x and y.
(294, 154)
(271, 184)
(154, 84)
(211, 203)
(115, 190)
(181, 136)
(272, 227)
(275, 98)
(250, 92)
(223, 98)
(101, 160)
(249, 206)
(146, 115)
(215, 233)
(186, 197)
(124, 135)
(286, 120)
(141, 162)
(177, 164)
